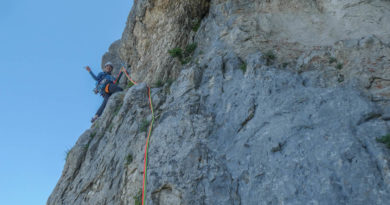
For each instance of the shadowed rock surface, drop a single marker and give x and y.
(281, 103)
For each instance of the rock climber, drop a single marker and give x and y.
(105, 85)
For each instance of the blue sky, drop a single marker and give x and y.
(46, 98)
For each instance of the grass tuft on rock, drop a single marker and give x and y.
(67, 151)
(186, 56)
(144, 125)
(86, 146)
(339, 66)
(170, 81)
(129, 159)
(243, 67)
(340, 78)
(176, 52)
(158, 84)
(138, 198)
(269, 57)
(332, 60)
(92, 135)
(196, 24)
(191, 48)
(385, 140)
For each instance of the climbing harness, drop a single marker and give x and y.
(147, 138)
(101, 85)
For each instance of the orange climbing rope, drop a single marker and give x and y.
(148, 137)
(146, 148)
(127, 75)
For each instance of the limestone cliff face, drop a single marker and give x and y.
(281, 103)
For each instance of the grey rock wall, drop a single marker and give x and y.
(236, 127)
(225, 137)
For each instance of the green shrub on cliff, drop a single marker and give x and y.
(176, 52)
(186, 56)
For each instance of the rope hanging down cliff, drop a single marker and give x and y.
(148, 137)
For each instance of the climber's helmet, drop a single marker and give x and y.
(108, 67)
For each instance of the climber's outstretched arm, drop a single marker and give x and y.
(90, 72)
